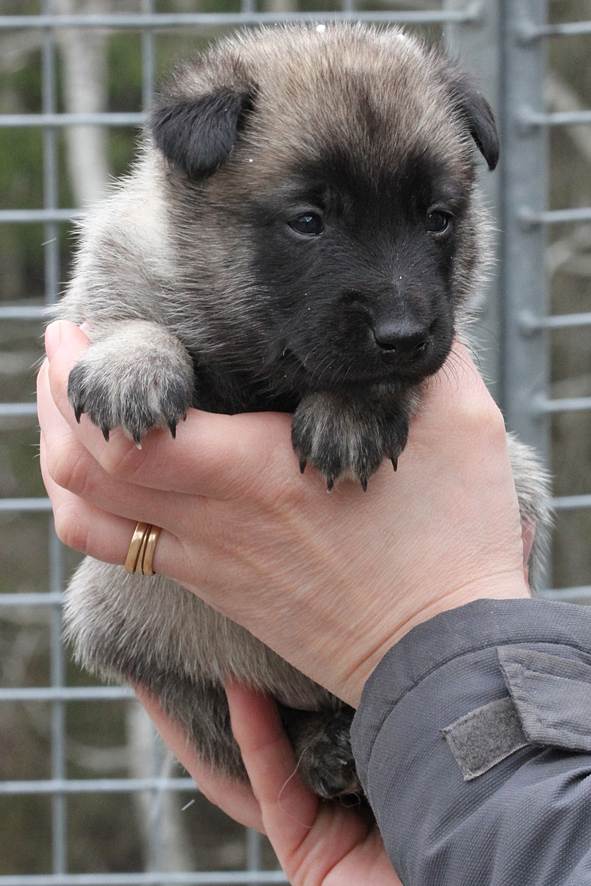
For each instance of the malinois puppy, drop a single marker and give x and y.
(303, 233)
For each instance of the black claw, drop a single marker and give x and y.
(105, 431)
(395, 464)
(363, 481)
(78, 410)
(136, 437)
(329, 484)
(172, 426)
(303, 464)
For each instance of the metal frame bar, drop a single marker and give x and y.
(524, 361)
(11, 121)
(149, 878)
(222, 878)
(138, 21)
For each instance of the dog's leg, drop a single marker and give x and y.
(135, 375)
(346, 434)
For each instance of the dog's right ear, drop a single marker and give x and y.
(198, 135)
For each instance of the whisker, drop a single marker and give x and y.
(287, 781)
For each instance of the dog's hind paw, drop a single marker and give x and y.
(322, 744)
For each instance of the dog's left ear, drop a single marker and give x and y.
(478, 116)
(197, 135)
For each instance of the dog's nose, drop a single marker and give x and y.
(405, 339)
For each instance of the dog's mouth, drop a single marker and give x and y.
(352, 371)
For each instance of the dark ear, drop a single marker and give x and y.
(198, 135)
(479, 119)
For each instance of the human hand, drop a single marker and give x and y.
(317, 843)
(330, 582)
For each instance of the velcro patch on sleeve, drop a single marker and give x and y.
(549, 705)
(481, 739)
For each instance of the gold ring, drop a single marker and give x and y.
(151, 538)
(141, 549)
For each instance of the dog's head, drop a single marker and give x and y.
(324, 183)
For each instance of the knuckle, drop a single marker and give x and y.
(69, 527)
(488, 415)
(42, 376)
(121, 457)
(60, 463)
(69, 468)
(479, 413)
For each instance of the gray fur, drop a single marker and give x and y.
(301, 232)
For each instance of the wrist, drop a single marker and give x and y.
(504, 586)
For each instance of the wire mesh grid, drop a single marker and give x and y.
(554, 324)
(67, 813)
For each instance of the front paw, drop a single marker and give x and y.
(340, 435)
(135, 389)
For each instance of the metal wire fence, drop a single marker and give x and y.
(67, 813)
(546, 315)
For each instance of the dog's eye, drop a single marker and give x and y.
(309, 223)
(438, 221)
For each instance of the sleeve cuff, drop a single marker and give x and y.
(455, 710)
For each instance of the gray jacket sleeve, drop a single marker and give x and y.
(473, 743)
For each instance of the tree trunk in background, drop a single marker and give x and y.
(147, 758)
(84, 67)
(84, 58)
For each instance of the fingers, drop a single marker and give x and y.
(220, 454)
(289, 810)
(99, 532)
(234, 798)
(314, 841)
(270, 761)
(84, 527)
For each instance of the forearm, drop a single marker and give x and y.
(520, 819)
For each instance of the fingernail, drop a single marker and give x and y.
(53, 336)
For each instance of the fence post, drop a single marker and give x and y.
(524, 173)
(476, 46)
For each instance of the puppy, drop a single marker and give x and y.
(301, 233)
